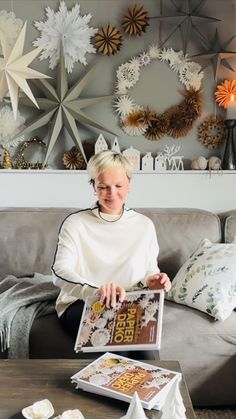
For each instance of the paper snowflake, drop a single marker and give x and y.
(144, 59)
(191, 76)
(10, 127)
(154, 52)
(124, 105)
(71, 30)
(10, 26)
(128, 73)
(166, 54)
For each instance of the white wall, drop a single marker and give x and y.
(215, 192)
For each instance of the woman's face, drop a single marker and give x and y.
(112, 186)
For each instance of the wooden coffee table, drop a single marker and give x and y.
(23, 382)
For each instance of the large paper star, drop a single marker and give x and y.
(186, 20)
(14, 70)
(216, 53)
(63, 107)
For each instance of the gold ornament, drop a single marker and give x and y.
(108, 40)
(73, 159)
(212, 132)
(6, 162)
(224, 92)
(21, 162)
(135, 20)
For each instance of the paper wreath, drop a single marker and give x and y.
(177, 120)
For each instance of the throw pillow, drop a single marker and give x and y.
(207, 280)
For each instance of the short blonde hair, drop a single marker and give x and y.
(106, 159)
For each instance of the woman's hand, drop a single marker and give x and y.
(159, 281)
(110, 292)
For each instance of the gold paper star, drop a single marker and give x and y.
(186, 20)
(216, 53)
(14, 70)
(62, 107)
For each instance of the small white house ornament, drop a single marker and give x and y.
(115, 146)
(133, 155)
(100, 144)
(147, 162)
(160, 163)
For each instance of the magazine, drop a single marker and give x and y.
(135, 324)
(120, 377)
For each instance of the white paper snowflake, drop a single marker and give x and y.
(71, 30)
(10, 26)
(191, 76)
(166, 54)
(121, 87)
(100, 337)
(99, 379)
(9, 127)
(85, 333)
(124, 105)
(144, 59)
(154, 52)
(128, 73)
(178, 62)
(135, 63)
(109, 314)
(101, 323)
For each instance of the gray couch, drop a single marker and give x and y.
(205, 348)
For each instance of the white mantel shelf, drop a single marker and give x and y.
(215, 191)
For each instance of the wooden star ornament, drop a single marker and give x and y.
(62, 107)
(14, 70)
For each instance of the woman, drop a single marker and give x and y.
(107, 249)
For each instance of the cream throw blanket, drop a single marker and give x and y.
(21, 301)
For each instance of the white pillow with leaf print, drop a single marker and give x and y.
(207, 280)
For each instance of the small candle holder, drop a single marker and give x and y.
(229, 158)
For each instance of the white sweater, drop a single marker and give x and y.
(92, 252)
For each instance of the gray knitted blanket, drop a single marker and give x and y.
(21, 301)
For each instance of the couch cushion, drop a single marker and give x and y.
(179, 231)
(207, 280)
(230, 228)
(205, 349)
(28, 239)
(28, 236)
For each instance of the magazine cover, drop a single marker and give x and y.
(134, 324)
(120, 377)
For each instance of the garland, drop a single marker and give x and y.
(175, 121)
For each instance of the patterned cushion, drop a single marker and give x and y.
(207, 280)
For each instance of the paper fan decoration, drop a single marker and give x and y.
(135, 20)
(10, 127)
(14, 70)
(108, 40)
(71, 30)
(10, 26)
(73, 159)
(224, 92)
